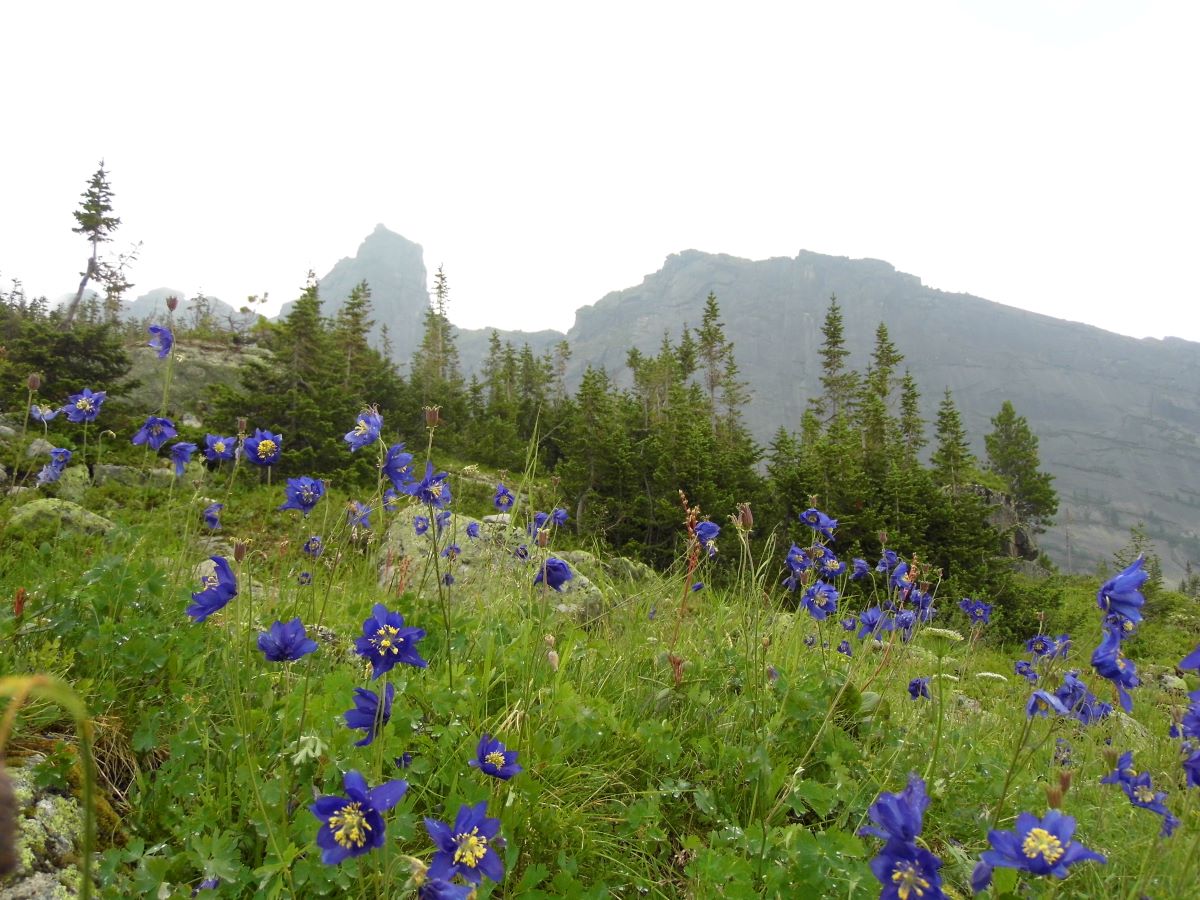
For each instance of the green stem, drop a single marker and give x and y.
(1012, 768)
(937, 735)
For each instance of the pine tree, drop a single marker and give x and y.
(838, 383)
(1012, 452)
(97, 224)
(952, 460)
(884, 360)
(912, 426)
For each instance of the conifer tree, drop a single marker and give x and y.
(1012, 452)
(839, 384)
(97, 224)
(884, 360)
(912, 426)
(952, 460)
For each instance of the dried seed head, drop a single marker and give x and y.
(172, 303)
(1054, 796)
(239, 550)
(552, 658)
(432, 416)
(34, 381)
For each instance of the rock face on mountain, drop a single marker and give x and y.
(1118, 418)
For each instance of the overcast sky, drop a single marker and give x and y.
(1040, 153)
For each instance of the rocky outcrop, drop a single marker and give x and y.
(49, 840)
(49, 515)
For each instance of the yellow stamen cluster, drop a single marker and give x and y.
(1040, 842)
(1143, 794)
(266, 448)
(349, 826)
(908, 881)
(219, 447)
(84, 403)
(472, 847)
(387, 641)
(495, 758)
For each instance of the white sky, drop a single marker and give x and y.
(1041, 153)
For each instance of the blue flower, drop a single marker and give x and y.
(467, 849)
(898, 816)
(861, 569)
(1042, 703)
(798, 560)
(473, 530)
(539, 521)
(820, 599)
(211, 520)
(367, 714)
(358, 515)
(888, 561)
(872, 621)
(217, 447)
(155, 432)
(492, 758)
(1192, 660)
(365, 430)
(1041, 645)
(49, 474)
(1191, 769)
(386, 641)
(706, 535)
(181, 455)
(84, 406)
(263, 448)
(286, 641)
(1110, 663)
(1141, 793)
(1122, 595)
(844, 647)
(849, 623)
(420, 524)
(314, 546)
(1025, 669)
(1124, 772)
(555, 572)
(304, 578)
(522, 552)
(60, 457)
(432, 490)
(558, 516)
(161, 340)
(390, 496)
(440, 889)
(904, 622)
(302, 493)
(907, 872)
(504, 499)
(918, 688)
(220, 587)
(819, 522)
(442, 519)
(831, 567)
(452, 551)
(43, 414)
(1079, 701)
(977, 611)
(397, 465)
(353, 825)
(1038, 846)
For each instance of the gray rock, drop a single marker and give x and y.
(49, 830)
(131, 476)
(189, 420)
(38, 447)
(56, 513)
(7, 433)
(73, 484)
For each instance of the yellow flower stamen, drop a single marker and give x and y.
(908, 881)
(1040, 842)
(472, 847)
(266, 448)
(495, 758)
(349, 826)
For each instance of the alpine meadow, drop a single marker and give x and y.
(721, 594)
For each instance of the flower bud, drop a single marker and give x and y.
(745, 517)
(239, 550)
(549, 639)
(242, 425)
(543, 537)
(172, 303)
(883, 536)
(432, 417)
(1054, 796)
(34, 381)
(1111, 756)
(552, 658)
(1064, 780)
(766, 641)
(19, 602)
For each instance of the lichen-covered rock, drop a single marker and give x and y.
(73, 484)
(49, 840)
(134, 477)
(52, 514)
(38, 447)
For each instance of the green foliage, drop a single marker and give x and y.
(1012, 454)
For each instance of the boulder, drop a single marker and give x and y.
(132, 476)
(49, 839)
(38, 447)
(53, 514)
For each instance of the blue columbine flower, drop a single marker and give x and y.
(522, 552)
(1191, 769)
(211, 516)
(302, 493)
(1109, 662)
(1038, 846)
(820, 599)
(217, 447)
(832, 567)
(263, 448)
(558, 516)
(220, 587)
(1064, 645)
(861, 569)
(386, 641)
(432, 490)
(390, 496)
(43, 414)
(898, 816)
(440, 889)
(473, 530)
(452, 551)
(49, 474)
(539, 522)
(907, 872)
(1079, 701)
(845, 648)
(555, 572)
(314, 546)
(358, 515)
(1041, 645)
(888, 561)
(706, 535)
(420, 524)
(872, 621)
(492, 758)
(977, 611)
(353, 825)
(161, 340)
(397, 465)
(1124, 772)
(1192, 660)
(1121, 595)
(442, 519)
(918, 688)
(504, 499)
(181, 455)
(60, 457)
(798, 559)
(367, 714)
(1042, 703)
(467, 849)
(849, 623)
(84, 406)
(365, 431)
(286, 641)
(304, 578)
(155, 432)
(1141, 793)
(1025, 669)
(819, 522)
(904, 622)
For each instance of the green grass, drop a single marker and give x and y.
(746, 776)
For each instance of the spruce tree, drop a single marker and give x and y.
(839, 383)
(1012, 452)
(97, 224)
(952, 459)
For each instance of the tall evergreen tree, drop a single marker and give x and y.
(96, 223)
(839, 383)
(912, 426)
(952, 459)
(1012, 452)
